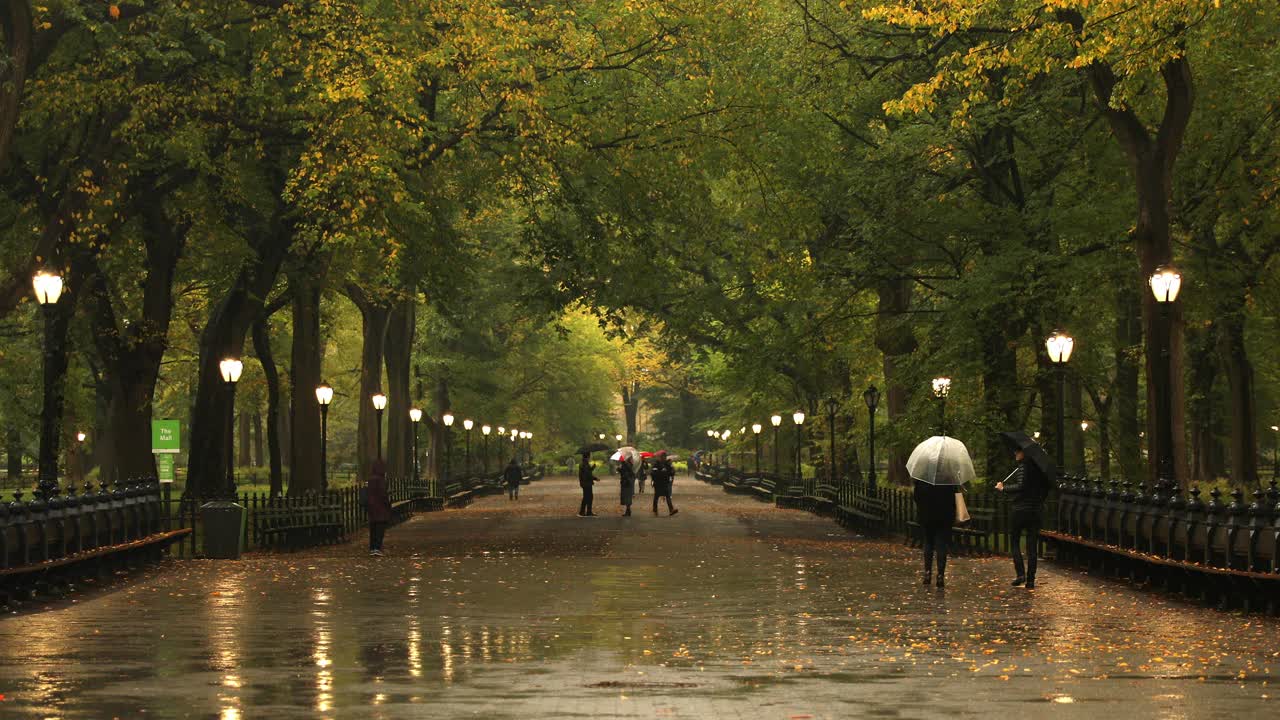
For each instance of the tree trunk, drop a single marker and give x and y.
(18, 28)
(1128, 344)
(304, 376)
(999, 389)
(895, 340)
(1240, 385)
(224, 337)
(630, 408)
(399, 353)
(374, 318)
(259, 456)
(262, 348)
(1203, 374)
(13, 452)
(243, 456)
(439, 447)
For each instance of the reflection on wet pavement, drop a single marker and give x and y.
(731, 609)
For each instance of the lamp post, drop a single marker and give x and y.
(775, 421)
(871, 396)
(755, 430)
(415, 417)
(447, 419)
(941, 389)
(379, 404)
(484, 462)
(324, 396)
(48, 288)
(467, 425)
(832, 406)
(1165, 283)
(798, 419)
(230, 368)
(1059, 345)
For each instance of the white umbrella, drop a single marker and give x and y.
(627, 452)
(941, 460)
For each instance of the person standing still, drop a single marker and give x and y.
(378, 505)
(663, 475)
(512, 475)
(586, 479)
(1029, 491)
(627, 477)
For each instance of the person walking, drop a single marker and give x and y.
(642, 476)
(513, 474)
(586, 479)
(627, 478)
(936, 514)
(663, 475)
(1029, 485)
(378, 505)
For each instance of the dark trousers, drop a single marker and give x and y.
(936, 540)
(513, 491)
(664, 493)
(376, 532)
(587, 498)
(1024, 522)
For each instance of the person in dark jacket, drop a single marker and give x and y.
(936, 513)
(378, 505)
(663, 474)
(642, 476)
(1029, 488)
(627, 477)
(512, 475)
(586, 479)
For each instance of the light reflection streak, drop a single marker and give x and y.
(226, 614)
(323, 642)
(446, 653)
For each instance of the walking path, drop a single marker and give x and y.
(732, 609)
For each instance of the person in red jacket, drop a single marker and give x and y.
(379, 506)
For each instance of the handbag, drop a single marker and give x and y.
(962, 511)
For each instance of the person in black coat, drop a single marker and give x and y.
(936, 513)
(512, 475)
(663, 474)
(1029, 488)
(586, 479)
(628, 484)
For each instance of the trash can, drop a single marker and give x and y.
(223, 529)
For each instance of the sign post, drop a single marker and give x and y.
(166, 443)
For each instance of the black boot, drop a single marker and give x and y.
(928, 577)
(942, 581)
(1031, 583)
(1018, 581)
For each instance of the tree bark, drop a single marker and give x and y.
(259, 450)
(374, 318)
(1203, 375)
(262, 348)
(243, 456)
(895, 340)
(1128, 345)
(304, 376)
(14, 451)
(18, 28)
(630, 392)
(224, 337)
(398, 357)
(1241, 387)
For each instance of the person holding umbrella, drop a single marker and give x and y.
(1029, 484)
(627, 476)
(940, 467)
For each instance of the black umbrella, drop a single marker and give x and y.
(1018, 440)
(593, 447)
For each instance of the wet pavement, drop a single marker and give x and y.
(731, 609)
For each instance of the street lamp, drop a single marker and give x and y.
(871, 396)
(379, 404)
(755, 430)
(484, 462)
(798, 419)
(324, 396)
(415, 417)
(618, 437)
(467, 425)
(1165, 283)
(1059, 345)
(775, 421)
(447, 419)
(230, 368)
(941, 389)
(48, 288)
(832, 406)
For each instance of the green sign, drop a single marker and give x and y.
(164, 467)
(165, 436)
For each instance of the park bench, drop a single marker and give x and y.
(456, 496)
(863, 513)
(764, 488)
(293, 523)
(823, 500)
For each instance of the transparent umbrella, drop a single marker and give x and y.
(941, 460)
(627, 452)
